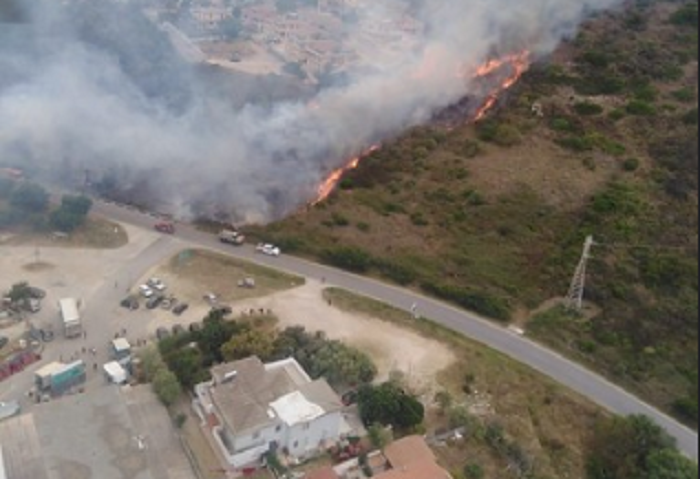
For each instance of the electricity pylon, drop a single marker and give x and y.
(574, 298)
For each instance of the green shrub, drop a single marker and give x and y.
(691, 117)
(639, 107)
(575, 143)
(616, 114)
(396, 272)
(479, 302)
(685, 95)
(630, 164)
(560, 124)
(339, 220)
(362, 226)
(595, 58)
(645, 92)
(349, 258)
(686, 16)
(346, 184)
(507, 135)
(470, 149)
(418, 219)
(473, 471)
(587, 108)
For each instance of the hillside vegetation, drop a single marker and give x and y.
(493, 216)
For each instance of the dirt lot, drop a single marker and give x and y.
(192, 273)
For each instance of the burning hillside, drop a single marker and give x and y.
(500, 73)
(107, 93)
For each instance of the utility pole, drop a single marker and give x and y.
(574, 298)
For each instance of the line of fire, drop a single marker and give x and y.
(508, 69)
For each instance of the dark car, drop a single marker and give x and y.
(180, 308)
(3, 341)
(46, 335)
(130, 303)
(154, 301)
(223, 309)
(36, 293)
(193, 327)
(178, 329)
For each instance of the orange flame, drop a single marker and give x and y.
(518, 61)
(328, 185)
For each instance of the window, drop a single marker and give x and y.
(306, 426)
(256, 435)
(278, 428)
(295, 445)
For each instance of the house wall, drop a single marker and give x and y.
(262, 437)
(306, 437)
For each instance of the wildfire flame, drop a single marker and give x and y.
(329, 184)
(519, 62)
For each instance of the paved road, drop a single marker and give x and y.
(519, 348)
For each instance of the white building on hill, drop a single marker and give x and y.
(253, 408)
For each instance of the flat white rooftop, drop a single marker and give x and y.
(294, 408)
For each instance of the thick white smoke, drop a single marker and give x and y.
(67, 104)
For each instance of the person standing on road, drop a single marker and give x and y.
(414, 310)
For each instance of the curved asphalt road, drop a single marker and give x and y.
(564, 371)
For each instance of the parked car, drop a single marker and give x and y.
(156, 284)
(164, 227)
(178, 329)
(3, 341)
(146, 291)
(268, 249)
(131, 303)
(222, 308)
(194, 327)
(162, 333)
(36, 293)
(46, 335)
(180, 308)
(210, 298)
(154, 301)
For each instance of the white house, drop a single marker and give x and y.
(253, 408)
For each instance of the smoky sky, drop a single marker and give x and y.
(94, 85)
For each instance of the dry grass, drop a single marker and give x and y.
(198, 271)
(539, 414)
(96, 233)
(38, 266)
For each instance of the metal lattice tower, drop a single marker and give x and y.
(574, 298)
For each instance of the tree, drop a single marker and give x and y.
(251, 343)
(166, 386)
(214, 334)
(151, 362)
(71, 214)
(670, 464)
(20, 292)
(186, 364)
(624, 447)
(78, 205)
(378, 435)
(64, 221)
(29, 197)
(388, 404)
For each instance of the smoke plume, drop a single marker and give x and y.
(95, 85)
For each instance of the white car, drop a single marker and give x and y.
(268, 249)
(145, 291)
(156, 284)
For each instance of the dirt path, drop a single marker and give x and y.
(391, 347)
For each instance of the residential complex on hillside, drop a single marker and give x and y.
(253, 408)
(328, 36)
